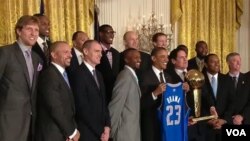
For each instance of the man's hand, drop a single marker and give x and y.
(75, 138)
(237, 119)
(190, 121)
(185, 87)
(105, 134)
(160, 89)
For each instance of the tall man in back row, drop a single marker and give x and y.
(19, 69)
(110, 61)
(42, 44)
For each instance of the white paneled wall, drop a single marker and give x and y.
(243, 43)
(123, 15)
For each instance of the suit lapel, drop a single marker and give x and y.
(21, 60)
(135, 80)
(91, 77)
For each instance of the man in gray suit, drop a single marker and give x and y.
(125, 102)
(19, 69)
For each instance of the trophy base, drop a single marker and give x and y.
(204, 118)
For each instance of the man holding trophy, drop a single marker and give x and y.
(197, 95)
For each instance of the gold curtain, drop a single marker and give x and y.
(214, 21)
(66, 17)
(11, 10)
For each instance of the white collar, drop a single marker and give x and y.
(132, 70)
(210, 76)
(89, 67)
(60, 68)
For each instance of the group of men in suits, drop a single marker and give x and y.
(94, 90)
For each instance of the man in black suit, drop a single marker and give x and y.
(151, 90)
(130, 39)
(110, 61)
(217, 95)
(56, 109)
(177, 73)
(197, 62)
(239, 110)
(43, 43)
(78, 38)
(92, 114)
(19, 69)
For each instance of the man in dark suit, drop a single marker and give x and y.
(92, 114)
(110, 61)
(19, 69)
(42, 45)
(56, 119)
(180, 62)
(130, 39)
(238, 111)
(151, 89)
(217, 96)
(197, 62)
(78, 38)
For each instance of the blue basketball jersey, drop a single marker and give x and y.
(173, 114)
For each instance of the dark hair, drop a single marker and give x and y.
(199, 43)
(156, 35)
(208, 56)
(103, 27)
(156, 50)
(184, 47)
(75, 34)
(25, 20)
(126, 52)
(174, 53)
(56, 44)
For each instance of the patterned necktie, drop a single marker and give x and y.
(65, 76)
(29, 64)
(46, 51)
(161, 78)
(214, 85)
(95, 77)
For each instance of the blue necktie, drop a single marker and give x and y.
(65, 76)
(214, 85)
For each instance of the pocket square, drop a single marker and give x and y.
(39, 67)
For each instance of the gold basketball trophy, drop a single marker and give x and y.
(196, 80)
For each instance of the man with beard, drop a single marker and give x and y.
(56, 119)
(110, 61)
(124, 106)
(43, 42)
(198, 61)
